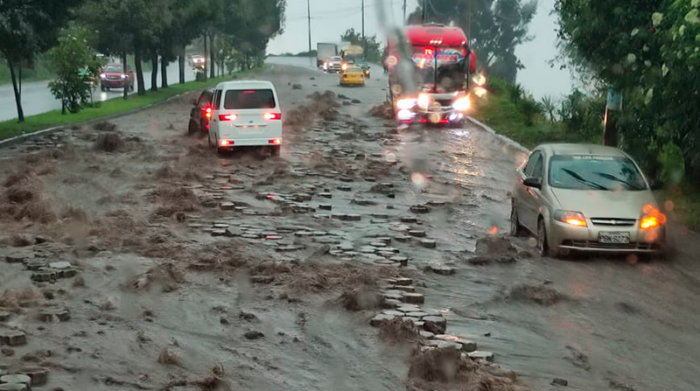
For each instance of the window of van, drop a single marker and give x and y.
(249, 99)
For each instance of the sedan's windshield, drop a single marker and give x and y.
(585, 172)
(114, 68)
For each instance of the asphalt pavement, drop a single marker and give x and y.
(37, 98)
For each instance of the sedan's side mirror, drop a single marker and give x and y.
(533, 182)
(656, 185)
(194, 102)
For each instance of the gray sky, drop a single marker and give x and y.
(330, 18)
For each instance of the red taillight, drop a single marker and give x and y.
(275, 141)
(225, 143)
(272, 116)
(228, 117)
(207, 126)
(422, 120)
(207, 112)
(444, 121)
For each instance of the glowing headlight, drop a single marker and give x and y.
(406, 104)
(462, 104)
(479, 80)
(480, 91)
(125, 76)
(103, 76)
(405, 115)
(424, 101)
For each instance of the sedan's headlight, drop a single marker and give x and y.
(406, 104)
(462, 104)
(575, 219)
(103, 76)
(652, 218)
(125, 76)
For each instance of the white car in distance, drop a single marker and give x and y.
(246, 113)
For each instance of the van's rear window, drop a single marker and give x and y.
(249, 99)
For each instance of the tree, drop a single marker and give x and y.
(648, 51)
(28, 27)
(370, 44)
(75, 63)
(549, 107)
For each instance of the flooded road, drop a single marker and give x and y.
(184, 253)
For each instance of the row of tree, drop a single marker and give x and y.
(495, 28)
(650, 52)
(148, 29)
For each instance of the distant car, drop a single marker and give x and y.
(352, 75)
(197, 61)
(586, 198)
(334, 64)
(200, 115)
(246, 113)
(113, 76)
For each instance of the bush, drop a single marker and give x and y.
(531, 109)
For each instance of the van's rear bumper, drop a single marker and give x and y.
(254, 142)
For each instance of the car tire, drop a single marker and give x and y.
(515, 228)
(102, 88)
(192, 128)
(209, 140)
(276, 151)
(542, 245)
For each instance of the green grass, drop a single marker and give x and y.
(686, 204)
(502, 115)
(54, 118)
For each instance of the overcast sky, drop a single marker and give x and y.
(330, 18)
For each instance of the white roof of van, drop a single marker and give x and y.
(244, 84)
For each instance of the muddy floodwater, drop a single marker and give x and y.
(136, 258)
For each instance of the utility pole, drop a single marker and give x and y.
(404, 13)
(363, 23)
(469, 25)
(308, 10)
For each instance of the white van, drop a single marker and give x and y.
(246, 113)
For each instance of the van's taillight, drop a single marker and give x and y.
(275, 141)
(273, 116)
(207, 112)
(228, 117)
(225, 143)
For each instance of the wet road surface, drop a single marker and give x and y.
(621, 322)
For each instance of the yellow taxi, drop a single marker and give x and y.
(351, 74)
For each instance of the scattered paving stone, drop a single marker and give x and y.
(393, 313)
(344, 188)
(437, 344)
(415, 298)
(367, 250)
(44, 275)
(325, 207)
(392, 295)
(227, 206)
(404, 281)
(303, 234)
(13, 337)
(560, 382)
(417, 314)
(370, 178)
(39, 376)
(442, 270)
(409, 220)
(14, 387)
(493, 246)
(391, 303)
(35, 265)
(402, 238)
(353, 217)
(48, 314)
(218, 232)
(481, 355)
(379, 319)
(4, 316)
(426, 334)
(326, 195)
(17, 258)
(289, 248)
(428, 243)
(417, 233)
(421, 209)
(254, 334)
(346, 179)
(437, 320)
(465, 345)
(378, 244)
(409, 288)
(262, 279)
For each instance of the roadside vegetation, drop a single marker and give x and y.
(234, 35)
(108, 108)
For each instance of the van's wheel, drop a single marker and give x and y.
(276, 151)
(209, 140)
(515, 228)
(192, 128)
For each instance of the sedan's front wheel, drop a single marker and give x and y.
(515, 228)
(542, 245)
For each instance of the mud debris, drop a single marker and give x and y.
(538, 294)
(109, 142)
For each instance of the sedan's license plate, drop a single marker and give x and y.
(614, 237)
